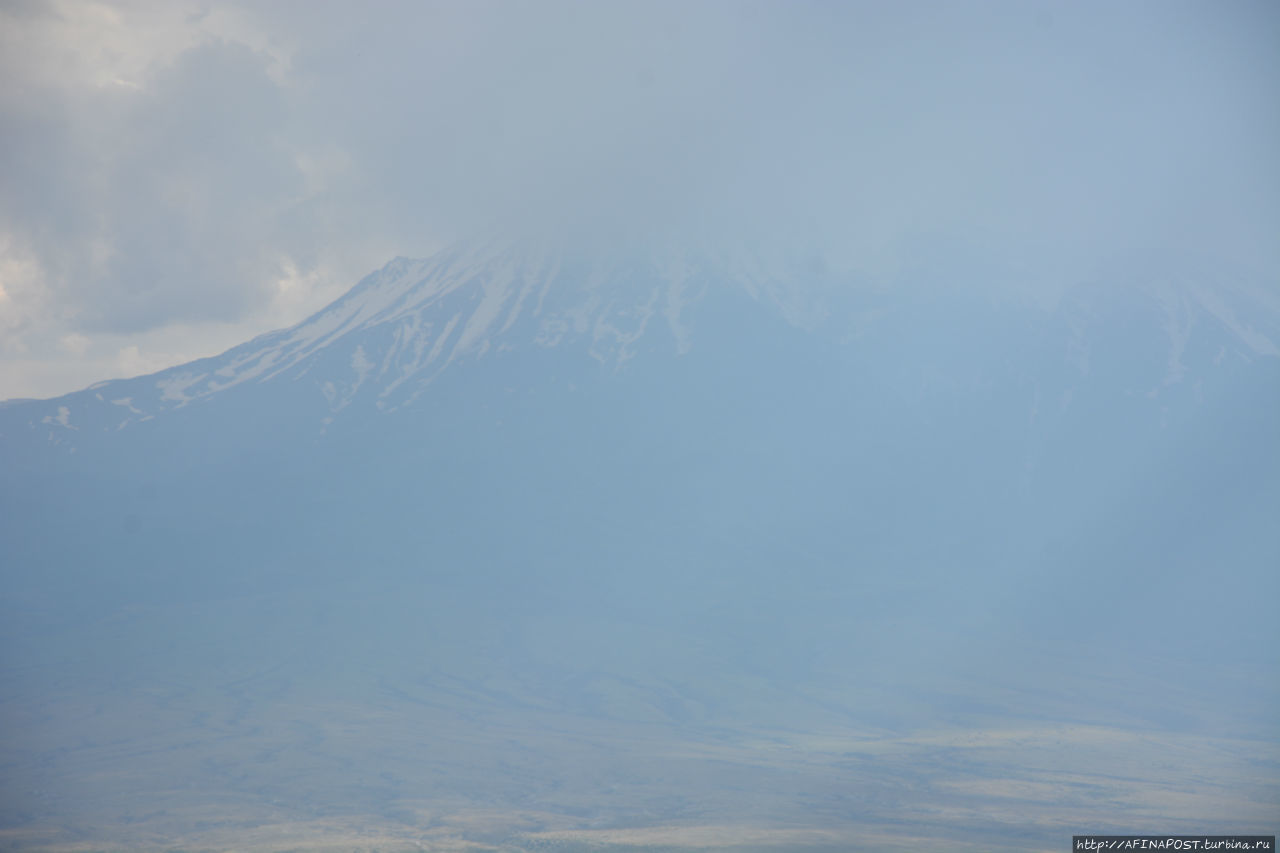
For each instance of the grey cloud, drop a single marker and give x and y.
(195, 192)
(1081, 128)
(161, 205)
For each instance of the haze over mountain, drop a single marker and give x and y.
(523, 545)
(783, 426)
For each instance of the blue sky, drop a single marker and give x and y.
(179, 176)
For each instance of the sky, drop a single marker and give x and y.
(179, 176)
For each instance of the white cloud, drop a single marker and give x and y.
(74, 343)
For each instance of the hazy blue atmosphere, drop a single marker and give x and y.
(633, 427)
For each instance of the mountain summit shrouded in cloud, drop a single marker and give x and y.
(182, 176)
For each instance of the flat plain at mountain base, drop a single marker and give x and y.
(544, 760)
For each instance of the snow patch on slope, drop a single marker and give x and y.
(62, 418)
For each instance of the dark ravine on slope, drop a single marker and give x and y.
(685, 491)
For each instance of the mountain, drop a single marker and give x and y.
(578, 509)
(386, 340)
